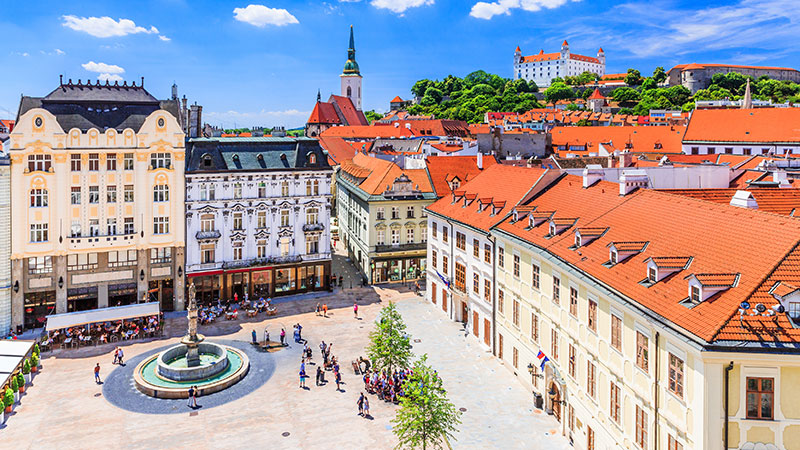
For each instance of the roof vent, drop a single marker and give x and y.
(631, 180)
(744, 199)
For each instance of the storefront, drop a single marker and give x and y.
(81, 299)
(398, 269)
(162, 291)
(37, 306)
(207, 286)
(122, 294)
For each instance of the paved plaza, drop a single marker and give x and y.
(65, 408)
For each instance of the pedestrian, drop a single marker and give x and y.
(340, 281)
(322, 347)
(360, 404)
(266, 336)
(355, 309)
(119, 357)
(302, 375)
(97, 373)
(192, 401)
(283, 336)
(366, 406)
(319, 376)
(325, 309)
(338, 379)
(255, 337)
(299, 332)
(116, 355)
(318, 309)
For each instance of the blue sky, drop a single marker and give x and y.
(262, 63)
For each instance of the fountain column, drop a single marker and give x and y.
(192, 339)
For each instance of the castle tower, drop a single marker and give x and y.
(517, 55)
(565, 50)
(351, 76)
(601, 56)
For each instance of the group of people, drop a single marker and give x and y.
(329, 362)
(388, 387)
(104, 332)
(230, 308)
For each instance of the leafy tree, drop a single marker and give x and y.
(532, 87)
(558, 91)
(426, 418)
(732, 81)
(420, 87)
(8, 397)
(434, 93)
(477, 77)
(583, 123)
(482, 89)
(627, 111)
(557, 80)
(372, 116)
(659, 75)
(633, 78)
(625, 94)
(648, 84)
(587, 77)
(390, 345)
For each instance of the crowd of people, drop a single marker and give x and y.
(230, 309)
(104, 332)
(388, 387)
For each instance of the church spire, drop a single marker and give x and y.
(351, 66)
(319, 96)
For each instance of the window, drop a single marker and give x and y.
(381, 214)
(760, 393)
(695, 293)
(237, 251)
(409, 235)
(747, 151)
(262, 190)
(75, 162)
(487, 290)
(461, 241)
(461, 277)
(673, 444)
(160, 255)
(312, 216)
(111, 194)
(515, 357)
(94, 227)
(535, 280)
(39, 265)
(395, 212)
(39, 163)
(161, 193)
(312, 244)
(616, 332)
(641, 427)
(237, 221)
(94, 162)
(433, 227)
(592, 315)
(675, 375)
(444, 234)
(81, 261)
(590, 438)
(207, 253)
(309, 187)
(652, 274)
(128, 193)
(711, 150)
(285, 189)
(237, 191)
(515, 312)
(127, 161)
(615, 405)
(571, 418)
(207, 222)
(395, 237)
(128, 224)
(500, 346)
(261, 249)
(160, 160)
(75, 195)
(794, 310)
(554, 344)
(284, 244)
(160, 225)
(38, 232)
(122, 258)
(501, 257)
(571, 363)
(613, 256)
(556, 290)
(423, 234)
(381, 239)
(573, 301)
(94, 194)
(642, 351)
(207, 192)
(111, 161)
(38, 198)
(316, 182)
(261, 219)
(434, 257)
(433, 293)
(591, 379)
(487, 253)
(284, 217)
(516, 265)
(501, 301)
(111, 227)
(534, 327)
(444, 265)
(409, 212)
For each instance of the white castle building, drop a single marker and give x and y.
(543, 67)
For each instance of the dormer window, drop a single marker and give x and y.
(695, 294)
(652, 274)
(312, 158)
(577, 240)
(206, 160)
(613, 256)
(552, 229)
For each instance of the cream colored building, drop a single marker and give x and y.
(98, 194)
(635, 314)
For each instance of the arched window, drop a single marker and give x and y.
(349, 91)
(38, 198)
(237, 191)
(206, 160)
(312, 159)
(161, 193)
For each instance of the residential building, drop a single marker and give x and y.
(97, 176)
(5, 244)
(257, 217)
(543, 67)
(759, 131)
(571, 142)
(698, 76)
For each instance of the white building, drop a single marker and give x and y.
(257, 217)
(5, 243)
(543, 67)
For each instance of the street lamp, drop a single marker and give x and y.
(60, 282)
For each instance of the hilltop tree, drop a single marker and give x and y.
(420, 87)
(390, 345)
(659, 75)
(625, 94)
(633, 78)
(558, 91)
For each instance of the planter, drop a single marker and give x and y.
(16, 397)
(22, 389)
(8, 409)
(28, 378)
(34, 369)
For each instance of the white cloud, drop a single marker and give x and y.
(164, 38)
(59, 51)
(484, 10)
(400, 6)
(228, 119)
(110, 77)
(104, 27)
(261, 16)
(92, 66)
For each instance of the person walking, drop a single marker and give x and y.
(355, 309)
(191, 400)
(302, 374)
(319, 376)
(325, 309)
(116, 355)
(266, 336)
(299, 332)
(338, 377)
(97, 373)
(283, 336)
(360, 404)
(318, 309)
(119, 356)
(255, 337)
(322, 347)
(366, 406)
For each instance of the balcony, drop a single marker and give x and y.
(213, 234)
(401, 247)
(313, 227)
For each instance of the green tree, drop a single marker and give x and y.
(625, 94)
(659, 75)
(648, 84)
(732, 81)
(427, 419)
(435, 94)
(420, 87)
(390, 345)
(532, 87)
(633, 78)
(558, 91)
(372, 116)
(477, 77)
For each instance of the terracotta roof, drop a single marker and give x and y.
(565, 42)
(501, 185)
(728, 255)
(352, 115)
(338, 150)
(324, 113)
(744, 125)
(785, 201)
(397, 99)
(672, 262)
(541, 57)
(378, 174)
(443, 168)
(367, 132)
(661, 139)
(596, 95)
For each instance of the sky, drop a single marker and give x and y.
(253, 64)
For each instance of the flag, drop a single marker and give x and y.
(444, 280)
(542, 359)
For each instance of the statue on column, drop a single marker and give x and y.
(192, 313)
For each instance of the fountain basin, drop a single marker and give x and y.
(172, 363)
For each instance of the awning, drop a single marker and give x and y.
(203, 274)
(59, 321)
(12, 353)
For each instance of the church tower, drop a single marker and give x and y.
(351, 76)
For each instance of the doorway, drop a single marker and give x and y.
(476, 324)
(487, 332)
(555, 399)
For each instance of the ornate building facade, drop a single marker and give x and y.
(258, 217)
(97, 175)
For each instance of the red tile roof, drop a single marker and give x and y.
(377, 174)
(596, 95)
(760, 125)
(352, 116)
(367, 132)
(785, 201)
(397, 99)
(338, 150)
(324, 113)
(695, 66)
(727, 255)
(442, 169)
(643, 139)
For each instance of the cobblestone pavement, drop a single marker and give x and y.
(65, 408)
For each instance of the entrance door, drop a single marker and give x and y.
(476, 324)
(444, 300)
(464, 313)
(556, 402)
(487, 332)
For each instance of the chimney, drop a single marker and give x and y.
(631, 180)
(625, 159)
(744, 199)
(592, 174)
(479, 160)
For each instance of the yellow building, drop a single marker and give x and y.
(97, 176)
(634, 314)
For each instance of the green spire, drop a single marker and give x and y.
(351, 66)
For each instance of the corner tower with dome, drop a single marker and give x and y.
(351, 76)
